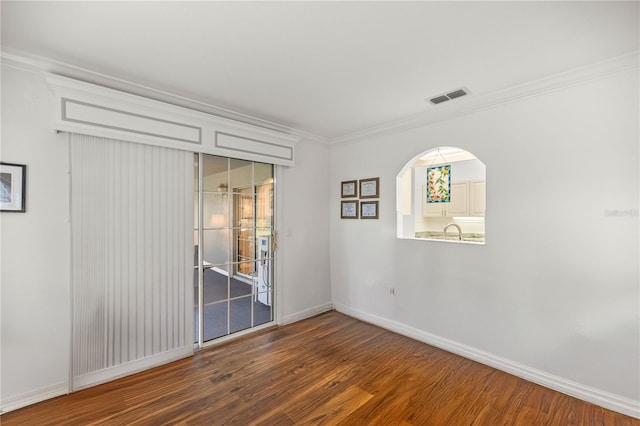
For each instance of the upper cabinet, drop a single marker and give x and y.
(467, 199)
(477, 197)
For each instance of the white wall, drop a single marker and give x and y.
(554, 292)
(35, 257)
(304, 237)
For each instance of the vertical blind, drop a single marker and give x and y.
(132, 257)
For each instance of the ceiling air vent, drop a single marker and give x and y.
(448, 96)
(439, 99)
(456, 94)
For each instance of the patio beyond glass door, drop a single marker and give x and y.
(233, 279)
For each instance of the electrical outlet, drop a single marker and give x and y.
(392, 291)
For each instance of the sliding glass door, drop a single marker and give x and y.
(233, 264)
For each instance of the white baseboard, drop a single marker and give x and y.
(33, 397)
(122, 370)
(307, 313)
(599, 397)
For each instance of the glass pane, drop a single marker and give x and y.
(264, 205)
(245, 245)
(240, 314)
(241, 286)
(216, 248)
(215, 320)
(195, 259)
(196, 174)
(216, 286)
(262, 310)
(215, 177)
(263, 174)
(195, 230)
(244, 208)
(241, 174)
(263, 277)
(245, 268)
(263, 234)
(264, 268)
(195, 214)
(196, 321)
(215, 210)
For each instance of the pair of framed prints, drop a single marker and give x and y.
(364, 189)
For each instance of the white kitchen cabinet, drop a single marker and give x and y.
(458, 206)
(477, 197)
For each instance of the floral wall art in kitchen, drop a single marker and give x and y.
(439, 184)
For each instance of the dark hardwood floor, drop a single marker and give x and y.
(326, 370)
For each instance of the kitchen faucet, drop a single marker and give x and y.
(444, 232)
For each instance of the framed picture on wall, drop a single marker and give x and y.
(349, 189)
(439, 184)
(370, 188)
(349, 209)
(369, 210)
(13, 187)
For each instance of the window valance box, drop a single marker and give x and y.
(94, 110)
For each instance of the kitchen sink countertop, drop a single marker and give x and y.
(451, 236)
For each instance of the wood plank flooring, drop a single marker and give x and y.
(326, 370)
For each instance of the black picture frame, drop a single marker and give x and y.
(13, 187)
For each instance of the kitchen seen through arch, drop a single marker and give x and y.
(441, 196)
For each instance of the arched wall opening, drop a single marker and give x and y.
(441, 196)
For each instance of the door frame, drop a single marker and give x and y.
(277, 261)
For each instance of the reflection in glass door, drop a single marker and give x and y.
(233, 279)
(244, 225)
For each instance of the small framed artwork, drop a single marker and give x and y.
(349, 189)
(13, 187)
(369, 210)
(349, 209)
(370, 188)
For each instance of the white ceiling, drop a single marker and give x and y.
(325, 68)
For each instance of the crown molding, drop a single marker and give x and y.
(468, 105)
(434, 114)
(36, 64)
